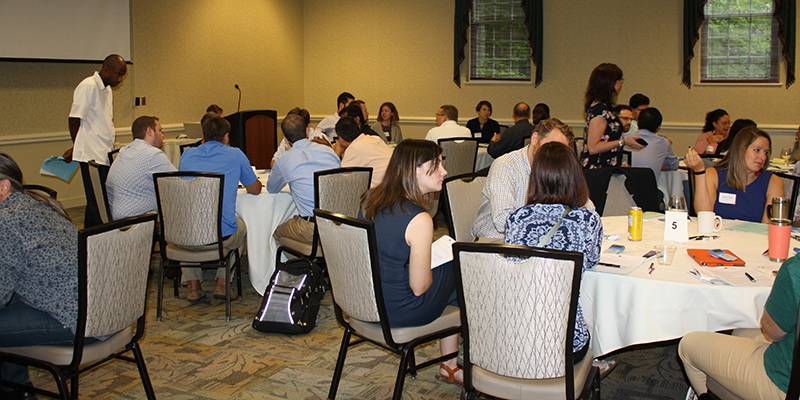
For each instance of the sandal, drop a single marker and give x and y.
(451, 375)
(606, 366)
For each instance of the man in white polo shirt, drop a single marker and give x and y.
(447, 125)
(130, 180)
(91, 127)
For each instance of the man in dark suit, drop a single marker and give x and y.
(514, 137)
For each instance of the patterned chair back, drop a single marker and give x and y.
(339, 190)
(189, 205)
(517, 310)
(459, 155)
(99, 189)
(463, 201)
(349, 261)
(117, 263)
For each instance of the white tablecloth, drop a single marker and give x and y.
(262, 214)
(623, 310)
(671, 183)
(483, 159)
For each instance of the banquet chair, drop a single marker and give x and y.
(577, 145)
(519, 306)
(791, 188)
(100, 194)
(352, 258)
(503, 129)
(462, 194)
(183, 147)
(44, 189)
(337, 190)
(190, 216)
(458, 155)
(113, 265)
(614, 190)
(112, 156)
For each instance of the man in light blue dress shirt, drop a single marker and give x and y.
(296, 167)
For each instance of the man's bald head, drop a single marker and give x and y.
(114, 69)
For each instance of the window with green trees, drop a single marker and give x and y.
(740, 42)
(499, 47)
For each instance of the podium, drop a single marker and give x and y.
(256, 134)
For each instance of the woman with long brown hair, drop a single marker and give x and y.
(414, 293)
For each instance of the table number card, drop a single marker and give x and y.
(676, 226)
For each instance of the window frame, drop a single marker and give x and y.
(471, 44)
(774, 58)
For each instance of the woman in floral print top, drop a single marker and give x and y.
(603, 130)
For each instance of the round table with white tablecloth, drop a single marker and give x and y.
(628, 307)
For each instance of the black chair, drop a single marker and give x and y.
(112, 156)
(612, 197)
(462, 196)
(577, 145)
(183, 147)
(100, 194)
(336, 190)
(521, 350)
(352, 257)
(458, 155)
(113, 266)
(44, 189)
(786, 177)
(190, 215)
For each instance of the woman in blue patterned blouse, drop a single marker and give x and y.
(557, 184)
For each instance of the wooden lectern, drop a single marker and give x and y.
(256, 133)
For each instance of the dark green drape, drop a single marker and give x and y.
(460, 36)
(692, 19)
(786, 13)
(534, 23)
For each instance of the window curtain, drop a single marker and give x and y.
(534, 23)
(693, 16)
(786, 14)
(460, 34)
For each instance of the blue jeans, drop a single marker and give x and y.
(23, 325)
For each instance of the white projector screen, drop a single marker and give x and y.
(79, 30)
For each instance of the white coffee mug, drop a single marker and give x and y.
(707, 222)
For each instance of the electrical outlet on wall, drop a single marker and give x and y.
(144, 101)
(136, 101)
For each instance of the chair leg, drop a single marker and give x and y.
(239, 274)
(408, 353)
(337, 372)
(148, 387)
(176, 283)
(412, 364)
(160, 297)
(74, 384)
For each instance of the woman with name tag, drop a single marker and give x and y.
(555, 218)
(739, 186)
(414, 294)
(715, 130)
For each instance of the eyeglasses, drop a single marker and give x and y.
(439, 115)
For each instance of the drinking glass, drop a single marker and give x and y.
(786, 153)
(677, 203)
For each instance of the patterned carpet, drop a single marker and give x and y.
(195, 354)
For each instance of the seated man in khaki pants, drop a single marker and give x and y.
(214, 155)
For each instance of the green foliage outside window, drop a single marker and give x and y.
(499, 41)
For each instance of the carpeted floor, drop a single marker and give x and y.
(195, 354)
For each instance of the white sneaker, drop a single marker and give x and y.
(690, 395)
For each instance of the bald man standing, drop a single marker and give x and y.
(91, 127)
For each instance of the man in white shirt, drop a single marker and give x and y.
(447, 125)
(130, 180)
(362, 150)
(328, 124)
(506, 188)
(91, 127)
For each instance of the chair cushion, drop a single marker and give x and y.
(304, 248)
(201, 254)
(62, 355)
(541, 389)
(451, 318)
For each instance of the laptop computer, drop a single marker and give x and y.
(193, 130)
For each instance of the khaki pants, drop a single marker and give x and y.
(732, 367)
(233, 242)
(296, 228)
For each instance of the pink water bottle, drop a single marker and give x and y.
(780, 229)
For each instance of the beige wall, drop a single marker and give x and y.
(287, 53)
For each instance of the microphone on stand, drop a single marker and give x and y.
(239, 106)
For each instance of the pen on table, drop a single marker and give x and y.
(609, 265)
(750, 277)
(651, 269)
(795, 237)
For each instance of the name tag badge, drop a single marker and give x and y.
(727, 198)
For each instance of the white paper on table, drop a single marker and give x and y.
(735, 276)
(442, 251)
(626, 262)
(703, 275)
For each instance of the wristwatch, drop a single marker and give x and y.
(621, 142)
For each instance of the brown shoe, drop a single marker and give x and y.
(195, 295)
(219, 293)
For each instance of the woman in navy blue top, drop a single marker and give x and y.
(739, 186)
(483, 127)
(414, 293)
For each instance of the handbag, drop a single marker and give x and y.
(546, 238)
(291, 299)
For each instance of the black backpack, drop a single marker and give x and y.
(291, 299)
